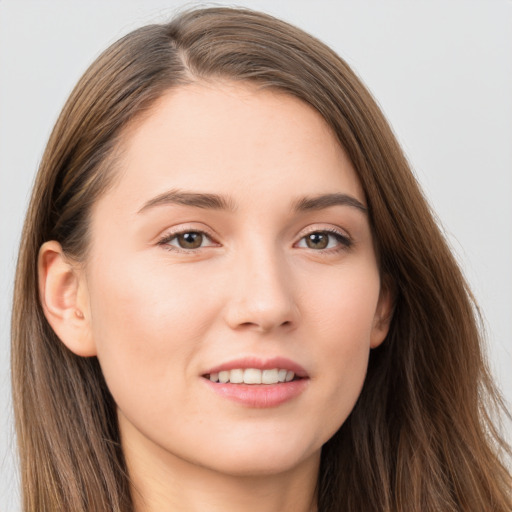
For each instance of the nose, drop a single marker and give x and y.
(262, 294)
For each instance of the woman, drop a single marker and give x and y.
(231, 293)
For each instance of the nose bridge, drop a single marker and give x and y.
(263, 295)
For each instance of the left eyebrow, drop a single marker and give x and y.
(194, 199)
(326, 201)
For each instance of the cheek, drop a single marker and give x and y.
(341, 304)
(341, 318)
(146, 326)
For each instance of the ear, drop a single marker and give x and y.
(383, 313)
(64, 298)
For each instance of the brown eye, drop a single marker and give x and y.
(317, 240)
(324, 240)
(190, 240)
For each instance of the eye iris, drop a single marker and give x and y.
(190, 240)
(317, 241)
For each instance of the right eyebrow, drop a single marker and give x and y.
(196, 199)
(327, 200)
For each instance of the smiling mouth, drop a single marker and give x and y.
(253, 376)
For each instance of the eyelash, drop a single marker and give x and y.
(165, 240)
(343, 240)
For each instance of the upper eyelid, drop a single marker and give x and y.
(165, 239)
(325, 229)
(171, 232)
(205, 231)
(342, 238)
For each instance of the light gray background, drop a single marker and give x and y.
(441, 70)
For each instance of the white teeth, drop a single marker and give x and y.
(236, 376)
(269, 376)
(252, 376)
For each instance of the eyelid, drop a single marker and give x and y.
(170, 234)
(344, 239)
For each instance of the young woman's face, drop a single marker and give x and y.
(234, 240)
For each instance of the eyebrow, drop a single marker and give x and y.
(195, 199)
(326, 201)
(219, 202)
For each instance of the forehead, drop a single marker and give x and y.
(233, 139)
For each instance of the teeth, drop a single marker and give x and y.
(236, 376)
(269, 376)
(252, 376)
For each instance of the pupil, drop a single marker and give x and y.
(317, 241)
(190, 240)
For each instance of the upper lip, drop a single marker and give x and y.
(282, 363)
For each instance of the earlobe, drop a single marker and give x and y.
(64, 300)
(383, 313)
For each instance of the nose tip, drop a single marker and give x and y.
(257, 321)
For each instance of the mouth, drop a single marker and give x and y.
(253, 376)
(258, 383)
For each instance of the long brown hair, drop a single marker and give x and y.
(421, 436)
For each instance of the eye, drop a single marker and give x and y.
(188, 240)
(321, 240)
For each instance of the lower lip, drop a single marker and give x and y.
(259, 395)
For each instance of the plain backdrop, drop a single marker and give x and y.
(440, 69)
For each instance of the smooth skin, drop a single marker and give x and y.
(170, 290)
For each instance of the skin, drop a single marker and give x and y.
(159, 317)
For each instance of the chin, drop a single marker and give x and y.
(269, 457)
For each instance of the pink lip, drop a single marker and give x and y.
(263, 364)
(260, 395)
